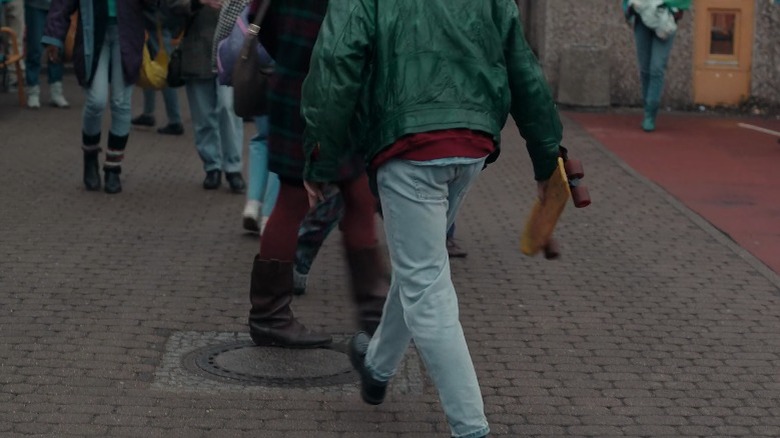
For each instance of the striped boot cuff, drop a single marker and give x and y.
(116, 151)
(90, 143)
(114, 158)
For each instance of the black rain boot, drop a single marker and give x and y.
(271, 321)
(113, 183)
(113, 165)
(370, 281)
(91, 161)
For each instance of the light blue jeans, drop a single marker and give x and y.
(170, 97)
(263, 185)
(653, 54)
(35, 21)
(219, 132)
(419, 202)
(108, 72)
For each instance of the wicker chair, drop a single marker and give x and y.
(13, 57)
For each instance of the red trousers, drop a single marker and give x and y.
(358, 227)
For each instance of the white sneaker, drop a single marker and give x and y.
(34, 97)
(263, 223)
(57, 98)
(251, 215)
(299, 282)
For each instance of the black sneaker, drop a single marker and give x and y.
(454, 250)
(143, 120)
(213, 180)
(171, 129)
(236, 182)
(371, 390)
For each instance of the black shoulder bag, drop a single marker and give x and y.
(250, 74)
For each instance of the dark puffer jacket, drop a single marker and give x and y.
(93, 21)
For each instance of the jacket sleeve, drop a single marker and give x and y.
(181, 7)
(58, 22)
(333, 87)
(533, 108)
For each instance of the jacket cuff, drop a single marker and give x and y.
(51, 41)
(319, 171)
(317, 168)
(543, 169)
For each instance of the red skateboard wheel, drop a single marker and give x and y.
(574, 169)
(580, 196)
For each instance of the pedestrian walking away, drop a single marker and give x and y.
(288, 32)
(263, 187)
(107, 60)
(427, 99)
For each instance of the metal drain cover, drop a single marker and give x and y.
(246, 363)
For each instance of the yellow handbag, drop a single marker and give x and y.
(154, 71)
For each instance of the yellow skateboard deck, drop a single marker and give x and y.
(541, 222)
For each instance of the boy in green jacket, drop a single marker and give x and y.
(422, 89)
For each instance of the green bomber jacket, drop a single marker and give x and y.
(382, 69)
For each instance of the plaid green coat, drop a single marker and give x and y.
(289, 32)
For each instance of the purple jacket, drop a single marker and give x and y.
(93, 21)
(229, 49)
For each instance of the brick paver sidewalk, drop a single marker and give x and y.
(722, 168)
(651, 325)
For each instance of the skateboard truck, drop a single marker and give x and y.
(575, 173)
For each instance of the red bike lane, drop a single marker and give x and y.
(725, 169)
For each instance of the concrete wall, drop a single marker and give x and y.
(556, 24)
(532, 12)
(766, 52)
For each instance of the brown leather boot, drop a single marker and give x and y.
(271, 321)
(370, 283)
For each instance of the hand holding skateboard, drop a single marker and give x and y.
(565, 182)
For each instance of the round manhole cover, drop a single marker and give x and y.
(248, 363)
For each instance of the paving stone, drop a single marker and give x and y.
(651, 323)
